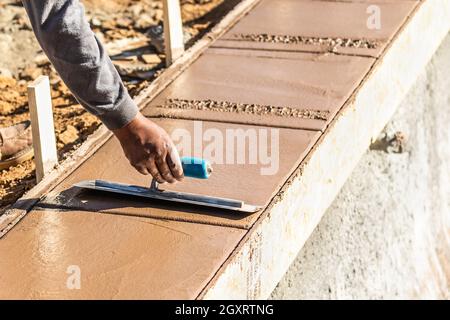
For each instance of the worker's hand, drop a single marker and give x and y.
(150, 150)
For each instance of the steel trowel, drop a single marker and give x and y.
(193, 168)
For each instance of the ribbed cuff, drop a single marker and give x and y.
(121, 115)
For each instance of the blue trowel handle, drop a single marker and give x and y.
(196, 167)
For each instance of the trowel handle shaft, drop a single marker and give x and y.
(196, 167)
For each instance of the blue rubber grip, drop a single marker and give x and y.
(195, 167)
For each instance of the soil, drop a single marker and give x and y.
(123, 26)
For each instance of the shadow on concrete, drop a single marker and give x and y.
(76, 198)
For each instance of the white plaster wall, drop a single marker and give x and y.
(387, 234)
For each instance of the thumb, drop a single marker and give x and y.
(174, 162)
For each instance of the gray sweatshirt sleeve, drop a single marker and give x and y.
(81, 60)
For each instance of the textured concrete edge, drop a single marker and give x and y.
(263, 256)
(14, 213)
(194, 52)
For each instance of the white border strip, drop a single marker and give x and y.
(264, 255)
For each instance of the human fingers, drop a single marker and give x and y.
(154, 171)
(174, 163)
(164, 169)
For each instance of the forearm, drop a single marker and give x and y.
(80, 59)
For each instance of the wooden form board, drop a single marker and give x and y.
(173, 30)
(43, 128)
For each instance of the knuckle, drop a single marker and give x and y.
(166, 175)
(160, 153)
(141, 170)
(156, 174)
(137, 165)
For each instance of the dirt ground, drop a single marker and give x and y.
(123, 26)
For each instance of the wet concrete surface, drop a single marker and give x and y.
(303, 82)
(247, 182)
(115, 257)
(129, 248)
(319, 26)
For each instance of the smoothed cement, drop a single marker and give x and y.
(319, 26)
(387, 234)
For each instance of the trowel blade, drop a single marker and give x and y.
(180, 197)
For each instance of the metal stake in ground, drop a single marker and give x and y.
(42, 126)
(173, 30)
